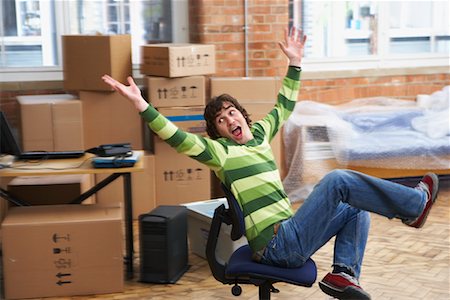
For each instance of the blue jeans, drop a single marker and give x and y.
(339, 206)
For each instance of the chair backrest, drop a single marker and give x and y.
(236, 215)
(217, 267)
(231, 216)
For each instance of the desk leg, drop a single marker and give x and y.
(4, 194)
(128, 224)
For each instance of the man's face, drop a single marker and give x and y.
(230, 123)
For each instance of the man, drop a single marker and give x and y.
(239, 153)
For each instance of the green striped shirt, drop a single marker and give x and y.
(248, 170)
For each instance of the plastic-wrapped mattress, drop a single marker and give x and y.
(374, 132)
(388, 140)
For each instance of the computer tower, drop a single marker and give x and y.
(163, 244)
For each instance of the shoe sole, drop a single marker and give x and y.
(434, 195)
(343, 294)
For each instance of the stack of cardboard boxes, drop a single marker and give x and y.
(76, 249)
(84, 243)
(175, 84)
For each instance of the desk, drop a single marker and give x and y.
(82, 165)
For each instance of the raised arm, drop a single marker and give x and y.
(131, 91)
(193, 145)
(293, 46)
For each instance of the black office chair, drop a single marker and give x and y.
(240, 268)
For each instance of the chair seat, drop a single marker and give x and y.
(241, 264)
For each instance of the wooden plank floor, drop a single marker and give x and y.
(401, 263)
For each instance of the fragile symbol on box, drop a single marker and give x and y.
(193, 61)
(183, 175)
(175, 92)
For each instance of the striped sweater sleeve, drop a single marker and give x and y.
(196, 146)
(287, 97)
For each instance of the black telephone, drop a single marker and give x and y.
(119, 149)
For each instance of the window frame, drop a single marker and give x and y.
(382, 62)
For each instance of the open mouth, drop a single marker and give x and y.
(237, 132)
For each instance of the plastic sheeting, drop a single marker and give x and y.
(374, 132)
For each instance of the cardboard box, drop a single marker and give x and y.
(142, 187)
(62, 250)
(184, 91)
(67, 126)
(178, 60)
(200, 216)
(51, 122)
(247, 89)
(86, 58)
(51, 190)
(189, 119)
(179, 178)
(109, 118)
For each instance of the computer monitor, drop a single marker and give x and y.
(8, 144)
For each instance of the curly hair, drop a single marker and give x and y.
(215, 106)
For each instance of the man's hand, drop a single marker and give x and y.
(132, 91)
(293, 46)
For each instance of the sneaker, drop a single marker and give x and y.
(430, 185)
(342, 286)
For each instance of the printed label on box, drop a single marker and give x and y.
(175, 92)
(188, 174)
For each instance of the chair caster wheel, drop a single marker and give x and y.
(236, 290)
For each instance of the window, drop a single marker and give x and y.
(374, 33)
(30, 30)
(418, 27)
(22, 34)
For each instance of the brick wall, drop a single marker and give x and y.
(336, 91)
(222, 22)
